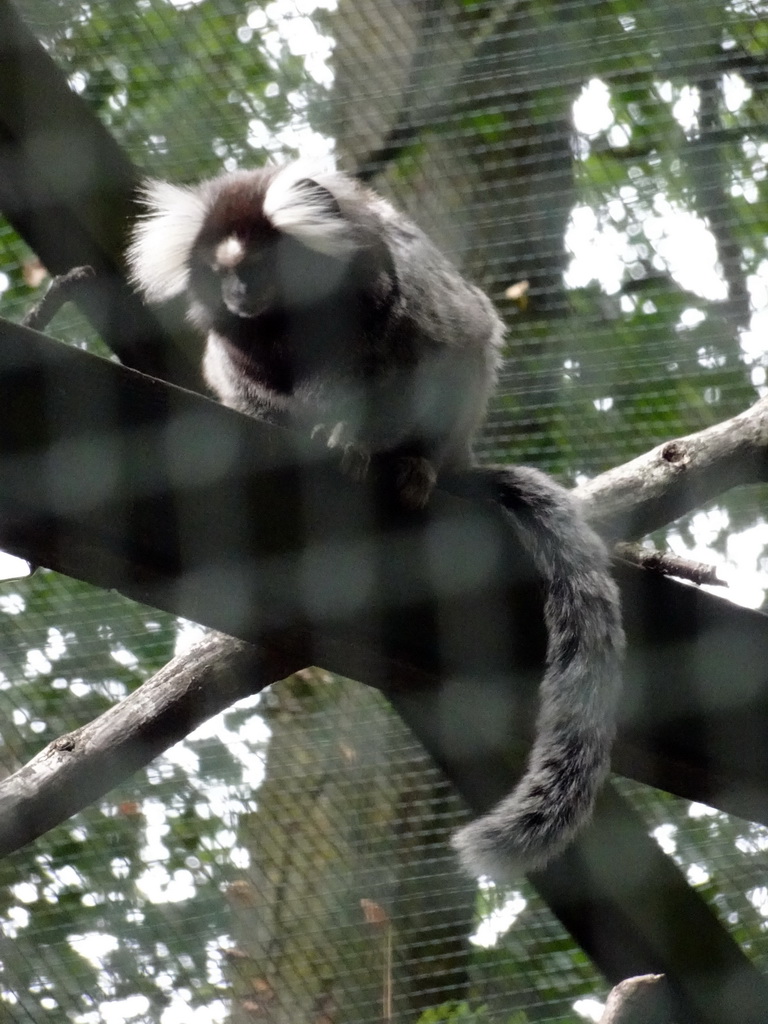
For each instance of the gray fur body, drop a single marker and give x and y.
(327, 309)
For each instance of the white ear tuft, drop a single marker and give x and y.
(162, 240)
(304, 207)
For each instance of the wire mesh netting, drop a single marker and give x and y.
(599, 168)
(296, 840)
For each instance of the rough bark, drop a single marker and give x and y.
(678, 476)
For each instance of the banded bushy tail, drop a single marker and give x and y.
(576, 722)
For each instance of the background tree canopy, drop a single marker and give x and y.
(600, 168)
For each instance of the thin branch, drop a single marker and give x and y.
(62, 289)
(81, 766)
(670, 565)
(653, 490)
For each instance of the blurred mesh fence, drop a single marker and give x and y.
(600, 168)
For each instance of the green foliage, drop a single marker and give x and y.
(461, 1013)
(209, 64)
(453, 1013)
(138, 867)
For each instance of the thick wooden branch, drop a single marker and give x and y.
(112, 477)
(678, 476)
(115, 478)
(68, 189)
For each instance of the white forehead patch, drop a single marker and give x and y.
(230, 252)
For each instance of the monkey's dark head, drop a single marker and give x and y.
(257, 255)
(255, 244)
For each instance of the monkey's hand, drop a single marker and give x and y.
(355, 457)
(415, 475)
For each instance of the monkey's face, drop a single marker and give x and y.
(266, 272)
(248, 286)
(235, 272)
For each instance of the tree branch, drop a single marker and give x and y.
(63, 288)
(287, 555)
(641, 1000)
(73, 219)
(654, 489)
(81, 766)
(670, 565)
(129, 539)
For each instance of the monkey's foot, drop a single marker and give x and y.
(355, 457)
(416, 479)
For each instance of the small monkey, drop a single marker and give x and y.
(328, 310)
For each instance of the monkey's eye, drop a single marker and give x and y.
(204, 264)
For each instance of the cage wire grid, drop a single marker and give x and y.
(605, 165)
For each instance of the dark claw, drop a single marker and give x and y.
(416, 478)
(355, 461)
(355, 457)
